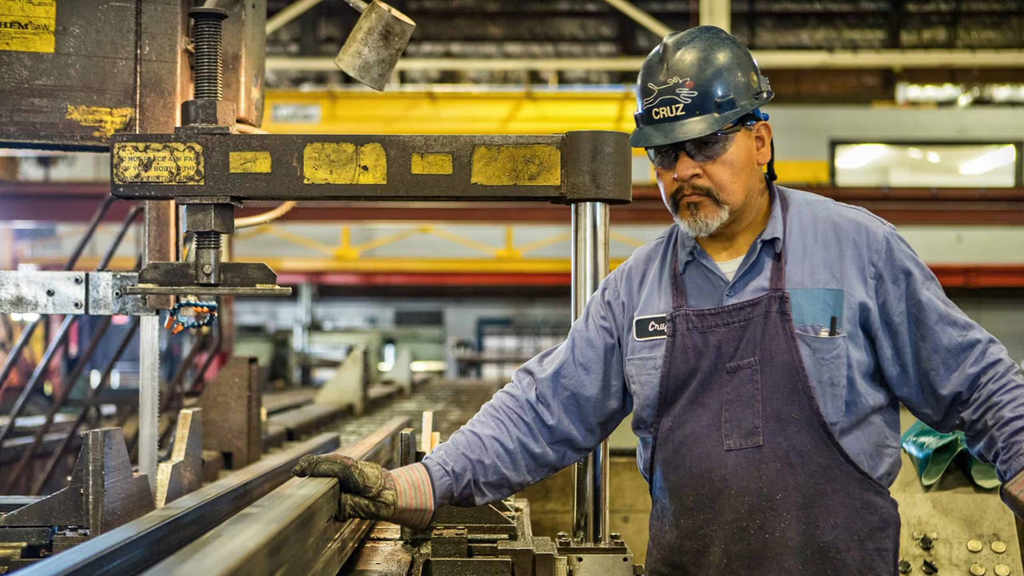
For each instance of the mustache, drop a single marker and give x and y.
(676, 199)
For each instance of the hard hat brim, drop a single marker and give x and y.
(653, 135)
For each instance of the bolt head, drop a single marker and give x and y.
(207, 269)
(210, 218)
(78, 280)
(206, 111)
(204, 13)
(50, 292)
(78, 305)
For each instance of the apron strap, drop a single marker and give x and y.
(778, 281)
(778, 278)
(678, 292)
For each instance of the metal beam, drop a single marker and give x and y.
(657, 27)
(716, 13)
(147, 540)
(290, 12)
(767, 59)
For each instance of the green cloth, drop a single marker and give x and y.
(934, 451)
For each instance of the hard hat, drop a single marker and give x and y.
(695, 83)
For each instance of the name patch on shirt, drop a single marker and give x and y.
(650, 327)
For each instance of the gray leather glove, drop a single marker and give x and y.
(368, 491)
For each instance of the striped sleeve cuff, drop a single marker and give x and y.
(415, 506)
(1013, 494)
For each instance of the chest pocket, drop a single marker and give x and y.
(643, 374)
(825, 359)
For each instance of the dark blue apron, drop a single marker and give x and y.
(747, 478)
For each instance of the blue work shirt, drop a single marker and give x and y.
(900, 339)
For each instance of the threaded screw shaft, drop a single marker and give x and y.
(208, 240)
(206, 37)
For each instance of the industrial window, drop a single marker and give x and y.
(419, 318)
(927, 165)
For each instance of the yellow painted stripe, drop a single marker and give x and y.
(522, 165)
(803, 172)
(250, 162)
(431, 163)
(344, 163)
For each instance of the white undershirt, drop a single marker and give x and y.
(730, 267)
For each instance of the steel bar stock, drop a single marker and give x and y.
(292, 530)
(142, 543)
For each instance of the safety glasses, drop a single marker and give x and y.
(700, 150)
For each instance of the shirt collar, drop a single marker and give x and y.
(772, 232)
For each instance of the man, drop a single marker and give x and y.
(764, 345)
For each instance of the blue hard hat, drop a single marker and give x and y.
(695, 83)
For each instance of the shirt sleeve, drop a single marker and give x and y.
(947, 370)
(559, 406)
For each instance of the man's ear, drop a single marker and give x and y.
(762, 143)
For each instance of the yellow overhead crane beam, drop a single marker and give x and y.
(469, 110)
(447, 111)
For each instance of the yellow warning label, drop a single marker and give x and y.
(249, 162)
(28, 25)
(431, 163)
(520, 165)
(158, 163)
(344, 163)
(106, 120)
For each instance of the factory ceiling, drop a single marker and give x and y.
(583, 32)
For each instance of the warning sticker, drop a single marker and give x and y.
(28, 25)
(158, 163)
(105, 120)
(344, 163)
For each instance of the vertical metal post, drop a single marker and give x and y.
(716, 13)
(300, 334)
(6, 246)
(161, 71)
(149, 397)
(589, 267)
(160, 227)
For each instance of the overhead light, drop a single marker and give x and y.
(907, 93)
(860, 155)
(428, 366)
(26, 317)
(988, 162)
(915, 153)
(966, 98)
(384, 367)
(933, 157)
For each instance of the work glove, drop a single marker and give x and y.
(403, 496)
